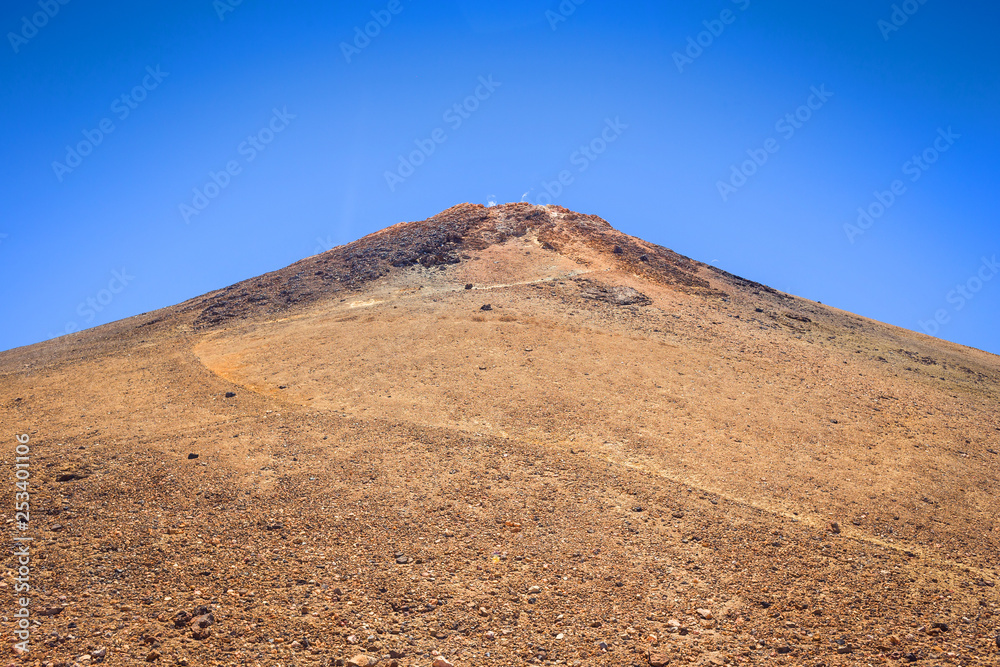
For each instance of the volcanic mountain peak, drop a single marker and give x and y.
(528, 415)
(454, 237)
(441, 238)
(494, 224)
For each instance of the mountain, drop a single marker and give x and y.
(505, 435)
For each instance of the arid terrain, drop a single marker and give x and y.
(504, 436)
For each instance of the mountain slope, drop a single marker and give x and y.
(431, 421)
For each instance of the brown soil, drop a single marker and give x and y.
(629, 457)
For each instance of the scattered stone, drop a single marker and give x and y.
(402, 560)
(153, 656)
(834, 527)
(705, 614)
(659, 659)
(230, 394)
(201, 626)
(441, 662)
(192, 455)
(361, 660)
(678, 514)
(486, 307)
(618, 250)
(468, 286)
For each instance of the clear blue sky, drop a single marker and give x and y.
(309, 129)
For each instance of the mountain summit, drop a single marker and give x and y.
(448, 239)
(504, 435)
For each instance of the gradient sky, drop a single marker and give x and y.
(108, 238)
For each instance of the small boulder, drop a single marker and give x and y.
(659, 659)
(201, 626)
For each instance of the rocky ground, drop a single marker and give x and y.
(504, 436)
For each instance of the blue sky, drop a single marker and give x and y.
(156, 151)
